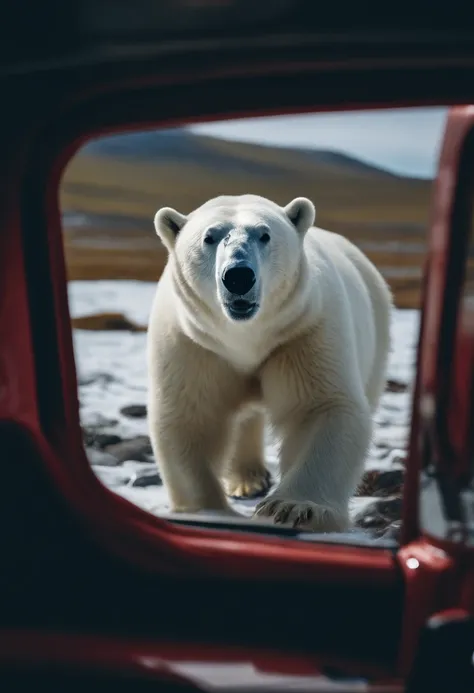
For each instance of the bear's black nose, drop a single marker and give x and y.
(239, 280)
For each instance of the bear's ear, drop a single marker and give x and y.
(302, 213)
(168, 223)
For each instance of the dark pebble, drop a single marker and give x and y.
(98, 440)
(393, 532)
(370, 519)
(390, 507)
(104, 439)
(137, 449)
(103, 379)
(106, 321)
(134, 411)
(100, 458)
(381, 451)
(395, 386)
(144, 479)
(380, 515)
(381, 483)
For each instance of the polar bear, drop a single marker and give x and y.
(260, 314)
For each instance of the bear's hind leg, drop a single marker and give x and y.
(246, 476)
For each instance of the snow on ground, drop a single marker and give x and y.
(112, 374)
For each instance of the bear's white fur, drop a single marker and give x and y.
(312, 354)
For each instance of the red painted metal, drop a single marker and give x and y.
(438, 574)
(113, 534)
(214, 667)
(427, 571)
(427, 386)
(433, 385)
(46, 426)
(460, 406)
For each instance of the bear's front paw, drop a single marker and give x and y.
(248, 483)
(303, 515)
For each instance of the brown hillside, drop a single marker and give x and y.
(119, 195)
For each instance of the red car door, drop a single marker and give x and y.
(438, 558)
(350, 617)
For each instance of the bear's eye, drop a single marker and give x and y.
(209, 240)
(264, 238)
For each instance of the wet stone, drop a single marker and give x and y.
(393, 385)
(107, 321)
(101, 459)
(104, 439)
(380, 515)
(137, 449)
(390, 507)
(380, 452)
(370, 519)
(381, 483)
(134, 411)
(100, 378)
(98, 439)
(393, 532)
(146, 478)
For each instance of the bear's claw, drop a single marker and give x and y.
(302, 515)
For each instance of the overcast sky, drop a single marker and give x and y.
(404, 141)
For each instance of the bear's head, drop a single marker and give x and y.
(238, 253)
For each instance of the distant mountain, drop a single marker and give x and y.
(113, 187)
(181, 146)
(175, 146)
(331, 158)
(144, 145)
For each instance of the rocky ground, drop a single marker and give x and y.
(112, 392)
(126, 463)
